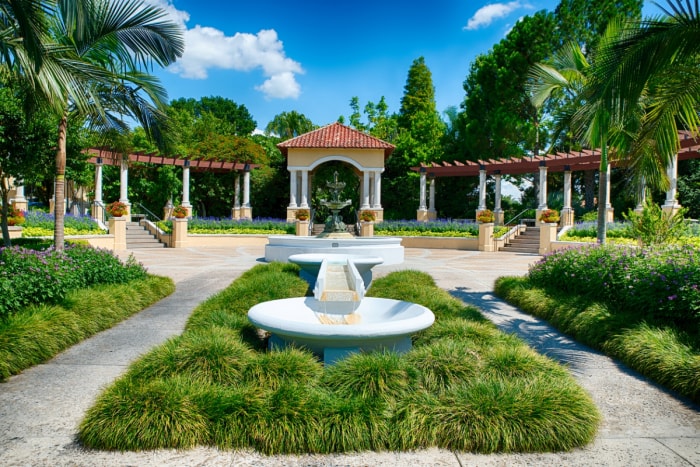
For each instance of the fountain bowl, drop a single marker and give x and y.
(383, 324)
(281, 247)
(310, 264)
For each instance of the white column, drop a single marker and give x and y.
(304, 189)
(543, 188)
(365, 190)
(98, 181)
(482, 189)
(186, 184)
(497, 205)
(672, 172)
(124, 181)
(641, 195)
(293, 188)
(237, 191)
(377, 190)
(246, 187)
(567, 189)
(422, 206)
(431, 205)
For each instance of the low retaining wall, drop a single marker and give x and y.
(447, 243)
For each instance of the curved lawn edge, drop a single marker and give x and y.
(659, 353)
(39, 332)
(465, 386)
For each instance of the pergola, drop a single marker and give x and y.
(102, 156)
(560, 162)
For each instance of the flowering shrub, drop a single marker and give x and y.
(116, 209)
(31, 277)
(368, 216)
(14, 216)
(41, 224)
(549, 216)
(302, 214)
(210, 225)
(485, 216)
(180, 212)
(658, 282)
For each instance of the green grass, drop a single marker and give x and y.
(39, 332)
(666, 354)
(465, 385)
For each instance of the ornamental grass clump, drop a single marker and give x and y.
(464, 385)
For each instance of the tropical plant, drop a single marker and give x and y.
(653, 226)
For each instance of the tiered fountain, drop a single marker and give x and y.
(335, 239)
(339, 320)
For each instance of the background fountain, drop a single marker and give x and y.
(335, 238)
(338, 320)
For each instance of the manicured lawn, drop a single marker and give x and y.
(464, 386)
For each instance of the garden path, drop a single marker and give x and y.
(41, 408)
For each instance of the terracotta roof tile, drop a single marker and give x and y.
(336, 135)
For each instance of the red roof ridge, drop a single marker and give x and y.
(336, 135)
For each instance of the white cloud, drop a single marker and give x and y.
(485, 15)
(208, 48)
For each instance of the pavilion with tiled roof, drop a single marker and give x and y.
(335, 142)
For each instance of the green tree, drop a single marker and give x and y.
(289, 125)
(222, 115)
(25, 146)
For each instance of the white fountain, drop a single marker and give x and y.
(339, 320)
(335, 239)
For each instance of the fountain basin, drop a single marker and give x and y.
(310, 264)
(381, 324)
(281, 247)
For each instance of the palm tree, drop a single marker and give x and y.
(649, 77)
(289, 125)
(99, 48)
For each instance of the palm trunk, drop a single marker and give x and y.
(59, 195)
(5, 209)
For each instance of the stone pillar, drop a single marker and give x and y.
(19, 202)
(432, 213)
(567, 212)
(542, 192)
(246, 209)
(304, 189)
(548, 234)
(365, 190)
(422, 214)
(98, 205)
(186, 188)
(671, 206)
(124, 184)
(293, 188)
(366, 229)
(377, 201)
(117, 227)
(482, 189)
(179, 239)
(302, 228)
(497, 209)
(236, 211)
(486, 236)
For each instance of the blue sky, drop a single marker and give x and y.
(314, 56)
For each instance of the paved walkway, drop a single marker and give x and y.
(41, 408)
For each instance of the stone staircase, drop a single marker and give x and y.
(138, 236)
(526, 242)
